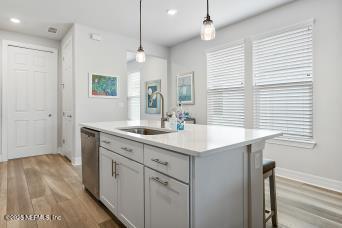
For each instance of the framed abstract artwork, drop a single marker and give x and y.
(185, 88)
(152, 104)
(103, 86)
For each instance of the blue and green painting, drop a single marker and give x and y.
(104, 86)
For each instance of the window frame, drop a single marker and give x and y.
(305, 143)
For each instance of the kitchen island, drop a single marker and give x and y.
(204, 176)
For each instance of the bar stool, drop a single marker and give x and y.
(268, 170)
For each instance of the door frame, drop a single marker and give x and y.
(4, 109)
(64, 43)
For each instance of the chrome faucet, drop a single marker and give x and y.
(163, 118)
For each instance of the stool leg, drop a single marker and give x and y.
(273, 199)
(264, 203)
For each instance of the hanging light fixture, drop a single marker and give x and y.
(208, 28)
(140, 56)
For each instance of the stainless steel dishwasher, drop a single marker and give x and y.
(90, 142)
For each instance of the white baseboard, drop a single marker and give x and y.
(77, 161)
(0, 157)
(59, 150)
(318, 181)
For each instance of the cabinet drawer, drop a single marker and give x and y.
(170, 163)
(127, 148)
(166, 201)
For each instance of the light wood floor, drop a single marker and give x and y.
(47, 185)
(304, 206)
(50, 185)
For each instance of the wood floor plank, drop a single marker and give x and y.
(47, 205)
(51, 176)
(63, 167)
(93, 208)
(109, 224)
(76, 215)
(59, 188)
(46, 168)
(75, 184)
(18, 198)
(29, 162)
(37, 186)
(3, 193)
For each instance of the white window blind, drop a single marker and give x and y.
(133, 96)
(225, 86)
(283, 93)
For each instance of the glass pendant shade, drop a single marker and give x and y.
(140, 56)
(208, 30)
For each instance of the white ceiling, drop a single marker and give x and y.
(121, 16)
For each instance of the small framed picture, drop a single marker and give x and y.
(103, 86)
(152, 104)
(185, 88)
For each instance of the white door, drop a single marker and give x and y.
(166, 201)
(67, 99)
(31, 89)
(108, 180)
(130, 192)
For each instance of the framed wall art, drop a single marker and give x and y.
(185, 88)
(103, 86)
(152, 105)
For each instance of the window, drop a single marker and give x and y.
(283, 90)
(225, 86)
(133, 96)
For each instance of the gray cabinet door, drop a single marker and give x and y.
(108, 180)
(166, 201)
(130, 192)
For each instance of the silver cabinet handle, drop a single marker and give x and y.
(157, 179)
(160, 162)
(115, 169)
(126, 149)
(112, 168)
(106, 142)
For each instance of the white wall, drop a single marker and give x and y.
(154, 68)
(12, 36)
(325, 159)
(108, 57)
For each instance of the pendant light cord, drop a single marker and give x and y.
(208, 8)
(140, 24)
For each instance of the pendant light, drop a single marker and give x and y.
(140, 56)
(208, 28)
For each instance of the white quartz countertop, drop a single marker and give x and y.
(195, 140)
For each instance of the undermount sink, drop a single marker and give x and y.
(145, 131)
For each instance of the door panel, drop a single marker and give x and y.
(21, 78)
(31, 91)
(22, 133)
(40, 94)
(40, 133)
(130, 192)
